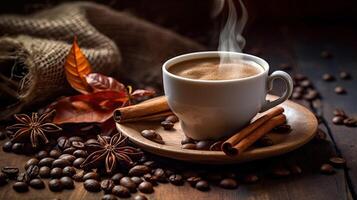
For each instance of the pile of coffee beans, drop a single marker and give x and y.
(341, 118)
(304, 89)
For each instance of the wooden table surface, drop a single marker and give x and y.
(300, 45)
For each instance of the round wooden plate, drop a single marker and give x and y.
(302, 121)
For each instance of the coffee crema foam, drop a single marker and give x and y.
(212, 69)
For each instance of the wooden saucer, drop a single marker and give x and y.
(302, 121)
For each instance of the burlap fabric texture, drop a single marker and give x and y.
(116, 44)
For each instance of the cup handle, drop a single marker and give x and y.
(289, 89)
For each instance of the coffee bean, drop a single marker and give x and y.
(140, 197)
(320, 135)
(7, 146)
(32, 161)
(327, 169)
(338, 120)
(160, 175)
(121, 191)
(55, 185)
(116, 177)
(107, 185)
(146, 187)
(296, 95)
(20, 187)
(228, 183)
(3, 135)
(264, 141)
(61, 163)
(150, 178)
(338, 161)
(69, 150)
(176, 179)
(67, 182)
(280, 172)
(299, 77)
(193, 180)
(11, 172)
(77, 162)
(44, 172)
(298, 89)
(91, 185)
(350, 122)
(345, 76)
(46, 162)
(80, 153)
(216, 146)
(41, 154)
(172, 118)
(3, 179)
(54, 153)
(17, 148)
(63, 143)
(136, 180)
(187, 140)
(75, 138)
(326, 54)
(295, 169)
(128, 183)
(68, 157)
(203, 144)
(78, 176)
(37, 183)
(169, 172)
(339, 112)
(32, 171)
(306, 84)
(23, 177)
(189, 146)
(78, 144)
(90, 141)
(69, 171)
(285, 128)
(328, 77)
(139, 170)
(167, 125)
(56, 172)
(340, 90)
(109, 197)
(202, 185)
(149, 134)
(91, 175)
(250, 178)
(311, 95)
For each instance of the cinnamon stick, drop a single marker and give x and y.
(141, 110)
(236, 138)
(258, 133)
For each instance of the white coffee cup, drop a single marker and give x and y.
(212, 109)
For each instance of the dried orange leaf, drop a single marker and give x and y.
(76, 68)
(99, 82)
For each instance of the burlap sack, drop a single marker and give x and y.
(115, 43)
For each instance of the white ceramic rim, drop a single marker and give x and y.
(205, 54)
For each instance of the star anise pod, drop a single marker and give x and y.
(113, 152)
(34, 127)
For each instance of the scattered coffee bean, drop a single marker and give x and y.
(299, 77)
(203, 144)
(146, 187)
(78, 144)
(153, 136)
(167, 125)
(67, 182)
(20, 187)
(32, 161)
(189, 146)
(136, 180)
(345, 76)
(91, 185)
(128, 183)
(311, 95)
(37, 183)
(63, 143)
(44, 172)
(7, 146)
(193, 180)
(55, 185)
(160, 175)
(320, 135)
(139, 170)
(46, 162)
(280, 172)
(32, 171)
(285, 128)
(264, 141)
(121, 191)
(23, 177)
(75, 138)
(338, 120)
(202, 185)
(327, 169)
(17, 148)
(41, 154)
(187, 140)
(77, 162)
(140, 197)
(107, 185)
(150, 178)
(116, 177)
(340, 90)
(80, 153)
(250, 178)
(172, 118)
(350, 122)
(306, 84)
(56, 172)
(78, 176)
(109, 197)
(69, 150)
(326, 54)
(68, 157)
(338, 161)
(296, 95)
(54, 153)
(228, 183)
(298, 89)
(69, 171)
(216, 146)
(328, 77)
(91, 175)
(176, 179)
(61, 163)
(339, 112)
(3, 179)
(11, 172)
